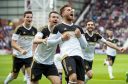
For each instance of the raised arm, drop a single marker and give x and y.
(112, 45)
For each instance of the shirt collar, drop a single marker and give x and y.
(89, 33)
(67, 24)
(49, 28)
(26, 27)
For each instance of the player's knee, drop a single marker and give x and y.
(90, 74)
(110, 63)
(56, 81)
(73, 77)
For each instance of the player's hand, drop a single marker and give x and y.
(23, 52)
(122, 49)
(77, 33)
(65, 36)
(44, 41)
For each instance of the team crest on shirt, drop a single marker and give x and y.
(70, 68)
(33, 33)
(87, 39)
(86, 67)
(94, 39)
(65, 28)
(24, 32)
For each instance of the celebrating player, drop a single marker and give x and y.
(22, 41)
(44, 54)
(71, 52)
(111, 53)
(92, 38)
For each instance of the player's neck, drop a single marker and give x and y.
(67, 21)
(26, 25)
(50, 27)
(90, 32)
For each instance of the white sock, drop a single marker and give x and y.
(107, 62)
(70, 82)
(8, 79)
(86, 78)
(27, 78)
(110, 71)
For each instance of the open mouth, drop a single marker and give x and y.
(71, 14)
(29, 21)
(55, 22)
(90, 28)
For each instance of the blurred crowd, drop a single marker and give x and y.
(6, 29)
(109, 14)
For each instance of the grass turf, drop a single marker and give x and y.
(120, 67)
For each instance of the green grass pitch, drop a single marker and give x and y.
(120, 67)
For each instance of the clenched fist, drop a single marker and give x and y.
(77, 33)
(65, 36)
(23, 52)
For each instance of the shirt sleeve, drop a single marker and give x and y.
(99, 37)
(55, 30)
(103, 40)
(17, 30)
(39, 34)
(54, 41)
(83, 41)
(116, 41)
(56, 37)
(16, 34)
(81, 30)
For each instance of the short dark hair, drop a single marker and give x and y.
(90, 20)
(27, 12)
(52, 12)
(63, 7)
